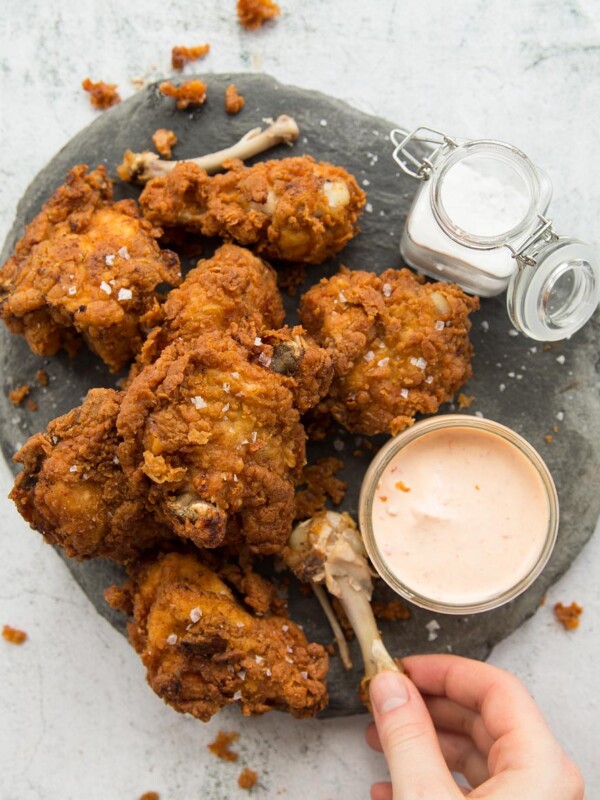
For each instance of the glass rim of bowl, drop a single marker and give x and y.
(401, 440)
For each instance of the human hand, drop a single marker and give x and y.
(469, 717)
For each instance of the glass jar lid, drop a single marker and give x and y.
(485, 193)
(557, 292)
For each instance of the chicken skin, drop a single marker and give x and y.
(294, 209)
(400, 346)
(212, 439)
(232, 287)
(73, 491)
(86, 268)
(203, 651)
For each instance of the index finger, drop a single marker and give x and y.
(502, 700)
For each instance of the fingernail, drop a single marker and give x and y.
(388, 691)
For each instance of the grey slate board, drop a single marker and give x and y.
(538, 389)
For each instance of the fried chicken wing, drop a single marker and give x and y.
(72, 488)
(212, 438)
(232, 287)
(86, 268)
(293, 209)
(203, 651)
(400, 346)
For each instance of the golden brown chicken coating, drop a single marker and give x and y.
(293, 209)
(400, 346)
(234, 286)
(86, 267)
(203, 651)
(212, 438)
(72, 488)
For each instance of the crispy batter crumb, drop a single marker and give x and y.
(392, 610)
(548, 438)
(291, 278)
(150, 796)
(102, 95)
(543, 601)
(464, 400)
(402, 486)
(13, 635)
(321, 483)
(32, 405)
(180, 56)
(189, 93)
(164, 140)
(568, 615)
(42, 378)
(19, 394)
(221, 745)
(330, 649)
(234, 102)
(247, 778)
(253, 13)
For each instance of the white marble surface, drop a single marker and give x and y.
(76, 718)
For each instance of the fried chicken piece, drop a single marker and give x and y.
(254, 13)
(86, 267)
(400, 346)
(232, 287)
(203, 651)
(72, 489)
(102, 95)
(188, 93)
(180, 55)
(213, 440)
(164, 141)
(293, 209)
(234, 102)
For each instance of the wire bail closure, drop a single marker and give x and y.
(404, 158)
(544, 232)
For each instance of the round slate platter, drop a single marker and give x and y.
(516, 381)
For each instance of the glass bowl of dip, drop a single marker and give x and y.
(459, 514)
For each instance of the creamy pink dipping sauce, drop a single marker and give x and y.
(460, 515)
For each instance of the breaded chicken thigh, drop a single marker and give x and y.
(86, 268)
(203, 651)
(294, 209)
(400, 346)
(72, 488)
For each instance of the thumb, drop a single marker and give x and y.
(409, 741)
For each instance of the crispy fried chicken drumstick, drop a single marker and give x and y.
(400, 346)
(212, 438)
(294, 209)
(72, 488)
(86, 268)
(203, 650)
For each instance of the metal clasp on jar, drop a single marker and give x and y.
(544, 232)
(424, 165)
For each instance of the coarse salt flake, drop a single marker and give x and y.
(257, 341)
(259, 659)
(383, 362)
(268, 672)
(369, 208)
(235, 374)
(172, 638)
(240, 624)
(242, 674)
(198, 402)
(429, 379)
(73, 468)
(560, 416)
(342, 297)
(440, 325)
(323, 123)
(264, 359)
(72, 290)
(289, 660)
(285, 628)
(387, 290)
(369, 356)
(560, 359)
(479, 414)
(304, 675)
(338, 445)
(109, 260)
(124, 294)
(513, 332)
(226, 388)
(404, 393)
(105, 287)
(502, 387)
(391, 511)
(124, 253)
(225, 408)
(433, 627)
(195, 614)
(421, 363)
(253, 436)
(237, 695)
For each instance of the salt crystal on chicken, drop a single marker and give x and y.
(198, 402)
(368, 357)
(237, 696)
(383, 362)
(404, 393)
(387, 290)
(71, 291)
(125, 294)
(105, 287)
(172, 638)
(195, 614)
(257, 341)
(440, 325)
(264, 359)
(73, 468)
(109, 260)
(124, 253)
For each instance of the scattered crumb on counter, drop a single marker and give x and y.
(321, 483)
(330, 649)
(234, 102)
(189, 93)
(543, 601)
(253, 13)
(13, 635)
(42, 378)
(180, 56)
(150, 796)
(102, 95)
(247, 778)
(549, 438)
(32, 405)
(18, 394)
(464, 400)
(568, 616)
(392, 610)
(221, 745)
(164, 140)
(291, 278)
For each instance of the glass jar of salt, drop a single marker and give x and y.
(479, 220)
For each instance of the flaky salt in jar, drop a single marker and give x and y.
(479, 220)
